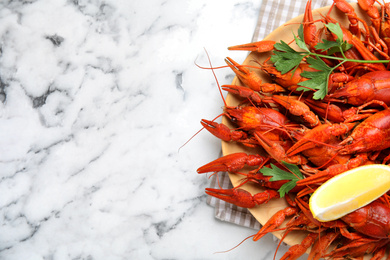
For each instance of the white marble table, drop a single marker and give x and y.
(96, 97)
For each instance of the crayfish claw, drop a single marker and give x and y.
(260, 46)
(219, 130)
(232, 162)
(277, 151)
(247, 77)
(297, 108)
(310, 29)
(243, 198)
(243, 92)
(238, 197)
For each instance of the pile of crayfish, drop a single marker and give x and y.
(348, 127)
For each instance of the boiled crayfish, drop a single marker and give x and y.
(347, 127)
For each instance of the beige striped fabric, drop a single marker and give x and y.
(272, 14)
(228, 212)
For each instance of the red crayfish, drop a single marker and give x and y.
(279, 123)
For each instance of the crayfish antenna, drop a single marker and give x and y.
(215, 76)
(235, 246)
(196, 134)
(280, 242)
(220, 91)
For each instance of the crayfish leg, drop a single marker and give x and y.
(275, 221)
(298, 250)
(320, 246)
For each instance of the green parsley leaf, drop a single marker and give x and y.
(318, 64)
(326, 45)
(334, 46)
(294, 169)
(282, 46)
(280, 175)
(276, 173)
(300, 32)
(285, 58)
(335, 29)
(284, 62)
(346, 46)
(318, 80)
(300, 39)
(285, 188)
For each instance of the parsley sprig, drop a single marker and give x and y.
(279, 175)
(286, 58)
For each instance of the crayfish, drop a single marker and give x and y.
(284, 122)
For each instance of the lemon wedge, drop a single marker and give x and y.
(349, 191)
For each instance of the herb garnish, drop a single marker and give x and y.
(280, 175)
(286, 58)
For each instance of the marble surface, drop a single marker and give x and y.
(97, 97)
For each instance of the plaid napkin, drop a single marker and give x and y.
(226, 211)
(273, 13)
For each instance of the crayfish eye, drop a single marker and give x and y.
(350, 140)
(301, 226)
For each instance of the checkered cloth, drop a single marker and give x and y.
(273, 13)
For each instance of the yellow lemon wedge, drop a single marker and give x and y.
(349, 191)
